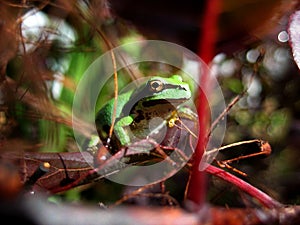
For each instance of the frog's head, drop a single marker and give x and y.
(158, 94)
(171, 89)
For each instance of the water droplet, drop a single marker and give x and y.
(283, 36)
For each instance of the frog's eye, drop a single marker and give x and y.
(156, 85)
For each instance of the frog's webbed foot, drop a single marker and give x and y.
(185, 120)
(93, 145)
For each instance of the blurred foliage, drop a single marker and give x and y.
(268, 110)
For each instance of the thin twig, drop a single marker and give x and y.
(262, 197)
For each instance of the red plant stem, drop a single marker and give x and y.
(262, 197)
(196, 190)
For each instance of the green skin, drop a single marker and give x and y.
(158, 97)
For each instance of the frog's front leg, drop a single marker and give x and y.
(188, 113)
(182, 112)
(121, 130)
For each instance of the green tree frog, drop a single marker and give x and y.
(158, 97)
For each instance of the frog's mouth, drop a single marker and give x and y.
(158, 102)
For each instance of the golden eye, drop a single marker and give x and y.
(156, 85)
